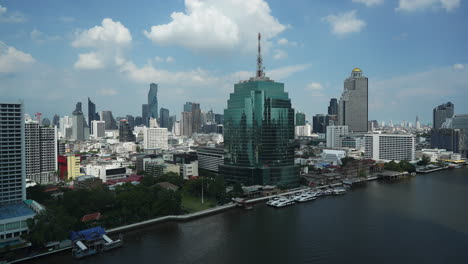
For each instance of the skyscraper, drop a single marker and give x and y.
(13, 211)
(91, 113)
(78, 107)
(56, 120)
(109, 119)
(12, 163)
(188, 107)
(145, 114)
(138, 121)
(40, 152)
(172, 120)
(333, 107)
(300, 119)
(164, 117)
(125, 132)
(319, 123)
(153, 101)
(259, 133)
(99, 129)
(78, 123)
(186, 124)
(353, 105)
(131, 121)
(196, 118)
(442, 112)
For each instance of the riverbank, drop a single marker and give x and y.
(176, 218)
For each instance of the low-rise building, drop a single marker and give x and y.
(209, 158)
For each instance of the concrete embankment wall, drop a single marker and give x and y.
(180, 218)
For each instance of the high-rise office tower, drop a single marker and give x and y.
(442, 112)
(319, 123)
(131, 121)
(153, 101)
(353, 105)
(172, 120)
(145, 114)
(40, 152)
(109, 119)
(138, 121)
(91, 113)
(12, 163)
(78, 123)
(99, 129)
(125, 132)
(188, 107)
(78, 107)
(219, 119)
(210, 117)
(196, 118)
(259, 133)
(300, 119)
(333, 107)
(56, 120)
(186, 124)
(164, 117)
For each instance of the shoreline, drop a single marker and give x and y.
(182, 218)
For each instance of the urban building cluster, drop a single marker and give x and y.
(259, 140)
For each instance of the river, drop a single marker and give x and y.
(419, 220)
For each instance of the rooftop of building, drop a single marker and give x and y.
(86, 177)
(15, 210)
(357, 70)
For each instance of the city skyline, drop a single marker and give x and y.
(299, 41)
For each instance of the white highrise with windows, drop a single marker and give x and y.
(41, 152)
(389, 147)
(99, 128)
(155, 138)
(334, 134)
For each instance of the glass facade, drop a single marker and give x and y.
(259, 135)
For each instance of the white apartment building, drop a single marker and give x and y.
(40, 152)
(390, 147)
(334, 134)
(155, 138)
(304, 131)
(99, 129)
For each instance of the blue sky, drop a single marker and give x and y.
(55, 53)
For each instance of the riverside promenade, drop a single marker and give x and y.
(177, 218)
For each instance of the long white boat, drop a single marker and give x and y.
(339, 191)
(282, 202)
(308, 196)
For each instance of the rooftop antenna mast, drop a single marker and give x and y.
(260, 68)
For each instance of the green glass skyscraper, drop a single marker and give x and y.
(259, 133)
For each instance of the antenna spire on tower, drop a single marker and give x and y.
(260, 68)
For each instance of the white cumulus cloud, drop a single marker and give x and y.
(110, 32)
(415, 5)
(170, 59)
(279, 54)
(109, 41)
(315, 88)
(89, 61)
(218, 26)
(13, 60)
(458, 67)
(345, 23)
(369, 2)
(8, 17)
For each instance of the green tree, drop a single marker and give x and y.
(425, 160)
(37, 193)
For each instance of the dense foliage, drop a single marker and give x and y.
(127, 204)
(424, 161)
(401, 166)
